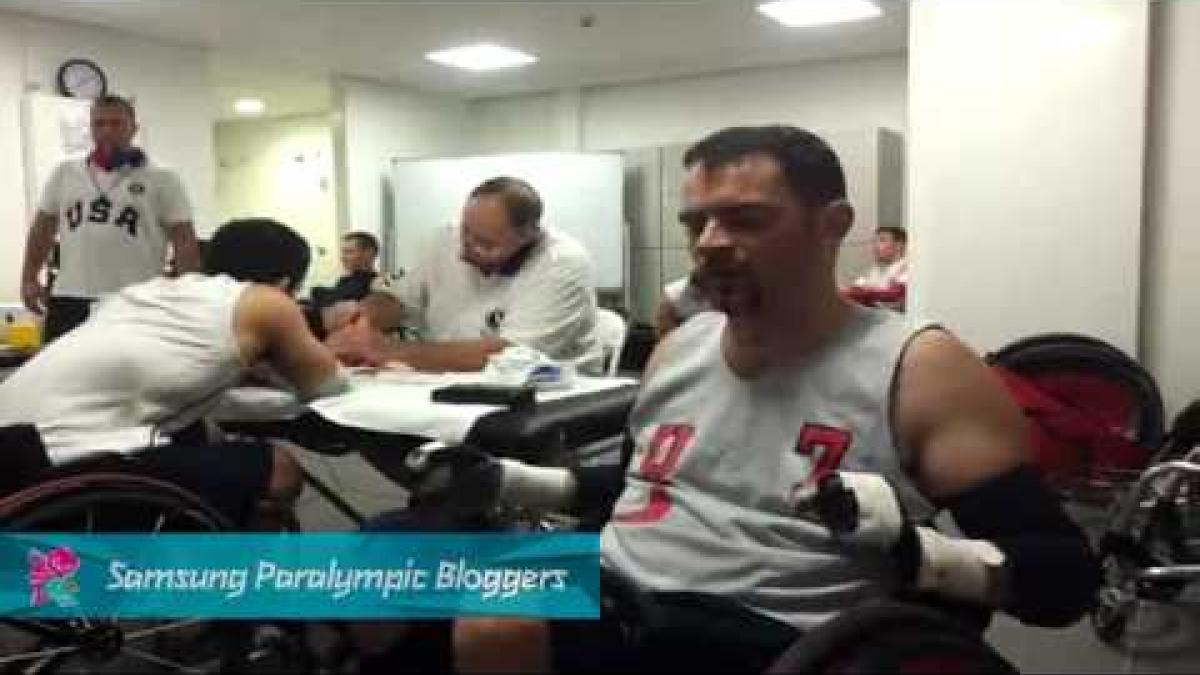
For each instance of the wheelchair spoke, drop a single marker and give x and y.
(42, 655)
(148, 632)
(42, 629)
(158, 524)
(43, 664)
(90, 525)
(160, 661)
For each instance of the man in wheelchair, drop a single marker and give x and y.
(155, 357)
(782, 457)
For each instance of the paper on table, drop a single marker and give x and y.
(392, 402)
(401, 409)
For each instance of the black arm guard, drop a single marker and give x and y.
(1051, 573)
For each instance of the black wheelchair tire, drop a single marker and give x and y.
(68, 499)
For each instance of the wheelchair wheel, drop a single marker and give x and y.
(108, 502)
(891, 637)
(1092, 375)
(112, 502)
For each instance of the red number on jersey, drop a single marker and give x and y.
(827, 445)
(658, 464)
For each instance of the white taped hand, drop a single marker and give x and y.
(536, 487)
(860, 509)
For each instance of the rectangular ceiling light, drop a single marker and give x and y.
(803, 13)
(249, 107)
(481, 57)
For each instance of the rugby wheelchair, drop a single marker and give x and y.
(1150, 550)
(102, 494)
(1098, 431)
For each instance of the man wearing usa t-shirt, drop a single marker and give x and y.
(113, 216)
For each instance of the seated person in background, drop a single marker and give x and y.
(154, 357)
(500, 278)
(885, 284)
(360, 250)
(682, 299)
(746, 413)
(362, 283)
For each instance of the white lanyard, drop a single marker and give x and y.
(121, 176)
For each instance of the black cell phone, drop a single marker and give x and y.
(512, 397)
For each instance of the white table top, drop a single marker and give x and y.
(392, 401)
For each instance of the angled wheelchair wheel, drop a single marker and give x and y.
(108, 502)
(1093, 376)
(891, 637)
(123, 503)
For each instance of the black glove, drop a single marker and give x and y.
(459, 480)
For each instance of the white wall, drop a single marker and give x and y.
(170, 88)
(13, 213)
(515, 124)
(848, 101)
(1026, 124)
(1171, 326)
(845, 94)
(378, 123)
(283, 168)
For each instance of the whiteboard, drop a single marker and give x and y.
(581, 194)
(56, 128)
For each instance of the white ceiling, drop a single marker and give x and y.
(286, 91)
(289, 47)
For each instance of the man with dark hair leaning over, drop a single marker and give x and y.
(746, 412)
(155, 357)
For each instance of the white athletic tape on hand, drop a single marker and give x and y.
(536, 487)
(880, 517)
(964, 569)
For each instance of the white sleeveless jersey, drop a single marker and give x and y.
(149, 360)
(710, 494)
(111, 224)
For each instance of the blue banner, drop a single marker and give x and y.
(301, 576)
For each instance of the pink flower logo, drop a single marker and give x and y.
(52, 577)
